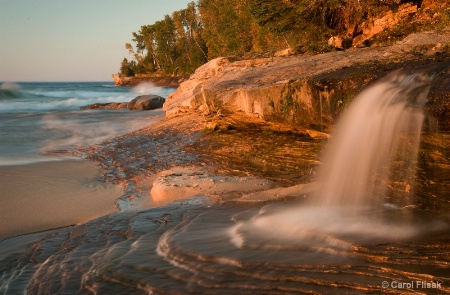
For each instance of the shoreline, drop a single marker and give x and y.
(49, 195)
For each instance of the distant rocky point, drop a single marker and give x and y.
(157, 79)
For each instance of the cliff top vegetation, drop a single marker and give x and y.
(206, 29)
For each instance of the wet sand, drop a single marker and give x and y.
(48, 195)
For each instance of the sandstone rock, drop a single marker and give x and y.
(277, 194)
(295, 89)
(119, 80)
(339, 42)
(218, 125)
(284, 52)
(190, 95)
(146, 102)
(188, 182)
(107, 106)
(390, 20)
(317, 134)
(211, 126)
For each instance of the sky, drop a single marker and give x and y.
(72, 40)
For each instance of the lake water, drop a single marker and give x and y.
(188, 248)
(39, 120)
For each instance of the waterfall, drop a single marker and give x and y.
(382, 125)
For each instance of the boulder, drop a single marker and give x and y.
(146, 102)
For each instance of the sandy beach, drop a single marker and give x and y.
(48, 195)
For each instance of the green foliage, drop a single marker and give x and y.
(289, 101)
(188, 38)
(276, 16)
(303, 22)
(172, 45)
(226, 27)
(127, 68)
(443, 16)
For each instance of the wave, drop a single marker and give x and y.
(42, 97)
(9, 90)
(150, 88)
(72, 103)
(71, 93)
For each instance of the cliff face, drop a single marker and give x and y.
(306, 90)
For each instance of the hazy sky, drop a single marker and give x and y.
(71, 40)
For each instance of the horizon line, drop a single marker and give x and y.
(58, 81)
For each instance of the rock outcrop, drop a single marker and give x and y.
(106, 106)
(120, 80)
(146, 102)
(300, 89)
(391, 19)
(157, 79)
(182, 183)
(142, 102)
(340, 43)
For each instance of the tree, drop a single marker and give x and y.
(304, 22)
(192, 48)
(172, 45)
(226, 27)
(183, 41)
(127, 68)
